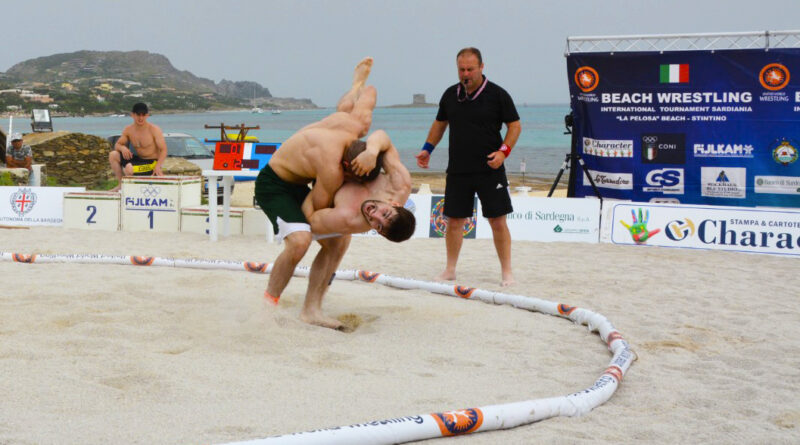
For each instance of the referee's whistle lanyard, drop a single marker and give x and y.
(461, 97)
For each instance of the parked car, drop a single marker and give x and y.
(185, 146)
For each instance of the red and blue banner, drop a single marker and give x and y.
(694, 127)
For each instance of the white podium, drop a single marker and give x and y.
(153, 203)
(92, 210)
(227, 179)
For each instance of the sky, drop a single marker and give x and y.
(308, 48)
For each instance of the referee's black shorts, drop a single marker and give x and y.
(492, 190)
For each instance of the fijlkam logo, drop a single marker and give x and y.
(22, 201)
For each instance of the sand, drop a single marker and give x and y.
(99, 354)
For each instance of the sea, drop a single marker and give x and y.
(540, 150)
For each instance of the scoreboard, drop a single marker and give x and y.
(247, 156)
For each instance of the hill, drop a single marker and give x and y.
(100, 81)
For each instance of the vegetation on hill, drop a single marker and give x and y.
(92, 82)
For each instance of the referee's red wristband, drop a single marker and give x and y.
(505, 149)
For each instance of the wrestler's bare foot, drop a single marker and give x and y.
(361, 72)
(320, 319)
(508, 280)
(116, 189)
(447, 275)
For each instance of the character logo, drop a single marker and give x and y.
(368, 276)
(774, 77)
(463, 291)
(22, 201)
(678, 230)
(462, 421)
(251, 266)
(142, 260)
(586, 78)
(565, 309)
(784, 152)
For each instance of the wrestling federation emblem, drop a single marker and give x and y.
(586, 78)
(774, 77)
(463, 421)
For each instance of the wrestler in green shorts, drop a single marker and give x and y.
(282, 202)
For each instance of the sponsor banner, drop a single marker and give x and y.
(608, 148)
(636, 112)
(33, 206)
(664, 148)
(783, 185)
(703, 227)
(618, 181)
(533, 219)
(549, 219)
(665, 180)
(721, 182)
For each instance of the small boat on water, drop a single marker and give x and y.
(256, 110)
(276, 111)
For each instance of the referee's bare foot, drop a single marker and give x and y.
(447, 275)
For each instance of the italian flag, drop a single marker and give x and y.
(674, 73)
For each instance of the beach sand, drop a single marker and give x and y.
(99, 354)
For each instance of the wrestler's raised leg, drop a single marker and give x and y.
(363, 108)
(360, 75)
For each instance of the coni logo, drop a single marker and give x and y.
(679, 229)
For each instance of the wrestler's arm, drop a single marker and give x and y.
(328, 220)
(161, 149)
(377, 143)
(399, 177)
(329, 178)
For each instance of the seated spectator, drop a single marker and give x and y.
(18, 155)
(149, 145)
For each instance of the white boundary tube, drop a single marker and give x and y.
(423, 426)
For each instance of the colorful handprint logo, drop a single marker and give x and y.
(638, 228)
